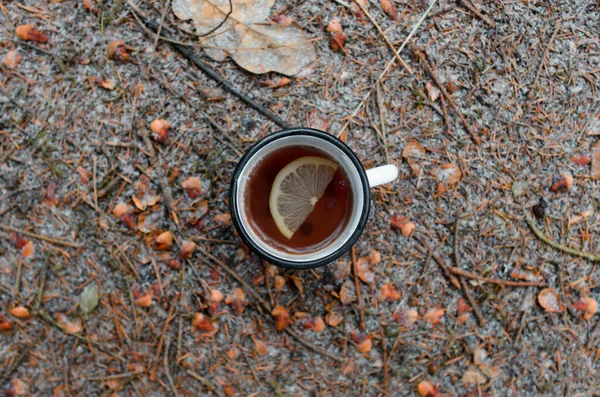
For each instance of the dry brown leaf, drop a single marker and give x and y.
(144, 300)
(363, 266)
(20, 312)
(363, 343)
(427, 389)
(237, 300)
(30, 33)
(319, 325)
(432, 91)
(260, 347)
(298, 284)
(412, 153)
(347, 293)
(448, 174)
(202, 323)
(406, 317)
(28, 249)
(278, 283)
(187, 249)
(390, 9)
(246, 36)
(334, 318)
(164, 241)
(434, 316)
(281, 317)
(13, 59)
(160, 130)
(72, 327)
(224, 219)
(18, 387)
(389, 293)
(117, 50)
(374, 257)
(550, 301)
(473, 376)
(193, 187)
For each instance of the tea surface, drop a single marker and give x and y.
(327, 220)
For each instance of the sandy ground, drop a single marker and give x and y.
(526, 80)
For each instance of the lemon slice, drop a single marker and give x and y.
(296, 190)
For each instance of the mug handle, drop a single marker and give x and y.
(381, 175)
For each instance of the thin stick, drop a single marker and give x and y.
(424, 247)
(557, 246)
(95, 183)
(188, 53)
(446, 118)
(361, 308)
(170, 317)
(387, 67)
(475, 11)
(207, 383)
(480, 319)
(441, 87)
(506, 283)
(167, 372)
(543, 60)
(265, 305)
(381, 32)
(39, 236)
(43, 275)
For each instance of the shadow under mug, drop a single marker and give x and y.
(361, 181)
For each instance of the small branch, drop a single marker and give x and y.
(361, 308)
(39, 236)
(441, 87)
(557, 246)
(477, 13)
(506, 283)
(382, 33)
(480, 319)
(207, 383)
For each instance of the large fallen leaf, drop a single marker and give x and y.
(246, 36)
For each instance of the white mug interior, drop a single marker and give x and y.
(335, 153)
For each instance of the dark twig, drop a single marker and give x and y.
(480, 319)
(478, 14)
(188, 53)
(557, 246)
(441, 87)
(39, 236)
(425, 248)
(43, 275)
(206, 383)
(220, 23)
(506, 283)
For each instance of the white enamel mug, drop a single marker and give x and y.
(361, 181)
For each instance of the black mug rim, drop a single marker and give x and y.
(309, 264)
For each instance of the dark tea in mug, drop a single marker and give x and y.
(298, 199)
